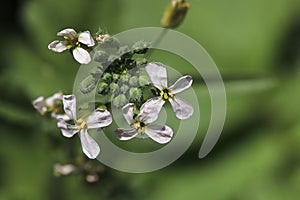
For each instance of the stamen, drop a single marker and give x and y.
(82, 124)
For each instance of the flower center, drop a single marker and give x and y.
(72, 42)
(81, 124)
(139, 126)
(166, 94)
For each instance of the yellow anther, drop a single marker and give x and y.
(81, 124)
(137, 124)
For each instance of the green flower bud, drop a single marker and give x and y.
(175, 14)
(135, 93)
(115, 77)
(113, 87)
(124, 88)
(141, 61)
(125, 78)
(119, 100)
(102, 86)
(140, 47)
(144, 80)
(133, 81)
(106, 77)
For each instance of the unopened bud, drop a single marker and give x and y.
(119, 100)
(135, 93)
(133, 81)
(175, 14)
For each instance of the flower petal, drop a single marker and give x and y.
(158, 74)
(50, 100)
(125, 134)
(60, 116)
(182, 109)
(158, 133)
(128, 113)
(67, 130)
(69, 102)
(86, 38)
(81, 55)
(40, 105)
(181, 84)
(69, 32)
(99, 118)
(58, 46)
(89, 146)
(150, 109)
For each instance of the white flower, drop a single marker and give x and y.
(158, 76)
(74, 41)
(102, 37)
(140, 124)
(60, 169)
(49, 104)
(97, 119)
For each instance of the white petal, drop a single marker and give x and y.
(99, 118)
(86, 38)
(181, 84)
(125, 134)
(81, 55)
(69, 32)
(67, 130)
(128, 112)
(58, 46)
(182, 109)
(158, 133)
(60, 116)
(50, 100)
(69, 102)
(158, 74)
(150, 109)
(40, 105)
(64, 169)
(89, 146)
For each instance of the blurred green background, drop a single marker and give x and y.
(255, 44)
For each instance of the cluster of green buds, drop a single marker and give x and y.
(118, 76)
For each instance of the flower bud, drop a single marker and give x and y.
(133, 81)
(174, 14)
(102, 37)
(140, 61)
(140, 47)
(119, 100)
(106, 77)
(115, 77)
(143, 80)
(124, 88)
(102, 87)
(135, 93)
(125, 78)
(113, 87)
